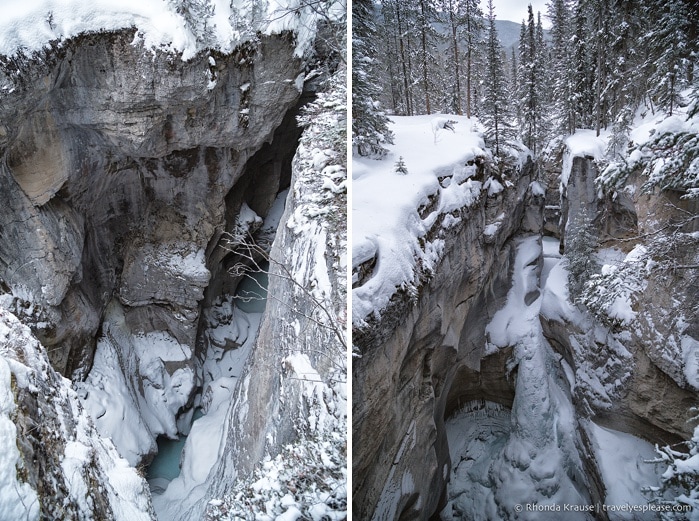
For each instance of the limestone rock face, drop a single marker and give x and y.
(62, 468)
(652, 396)
(293, 386)
(117, 165)
(423, 357)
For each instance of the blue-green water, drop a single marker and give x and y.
(249, 296)
(166, 464)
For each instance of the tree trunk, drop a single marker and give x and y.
(425, 83)
(457, 72)
(406, 83)
(469, 55)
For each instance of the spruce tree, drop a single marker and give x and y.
(580, 247)
(400, 167)
(561, 69)
(369, 124)
(583, 70)
(452, 14)
(496, 111)
(472, 27)
(197, 15)
(387, 69)
(670, 52)
(427, 50)
(398, 26)
(531, 77)
(541, 60)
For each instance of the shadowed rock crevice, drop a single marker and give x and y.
(119, 180)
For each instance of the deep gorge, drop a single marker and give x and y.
(458, 354)
(144, 197)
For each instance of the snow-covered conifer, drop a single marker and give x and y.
(496, 114)
(679, 484)
(561, 67)
(197, 15)
(400, 166)
(531, 64)
(369, 123)
(580, 247)
(670, 46)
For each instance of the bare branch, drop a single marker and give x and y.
(248, 249)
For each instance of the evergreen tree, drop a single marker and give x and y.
(427, 50)
(542, 59)
(602, 59)
(531, 76)
(583, 71)
(514, 85)
(561, 70)
(670, 52)
(400, 166)
(452, 10)
(580, 248)
(680, 480)
(496, 111)
(246, 17)
(625, 83)
(197, 15)
(369, 124)
(397, 24)
(388, 70)
(472, 27)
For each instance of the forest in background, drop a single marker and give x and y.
(603, 61)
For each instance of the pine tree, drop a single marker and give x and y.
(583, 70)
(681, 478)
(369, 124)
(393, 80)
(531, 58)
(514, 85)
(197, 15)
(452, 10)
(561, 70)
(427, 50)
(580, 247)
(388, 70)
(598, 12)
(400, 167)
(472, 27)
(246, 16)
(626, 84)
(541, 60)
(670, 52)
(496, 111)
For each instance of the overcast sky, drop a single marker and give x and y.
(516, 10)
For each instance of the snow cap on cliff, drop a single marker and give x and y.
(426, 173)
(184, 26)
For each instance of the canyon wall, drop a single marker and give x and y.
(117, 165)
(426, 355)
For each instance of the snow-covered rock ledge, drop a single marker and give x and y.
(53, 463)
(176, 27)
(408, 205)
